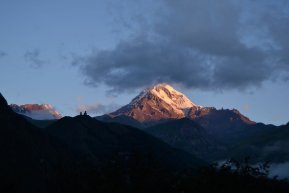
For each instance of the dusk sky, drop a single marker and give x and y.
(99, 54)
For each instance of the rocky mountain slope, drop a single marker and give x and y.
(99, 141)
(169, 115)
(188, 135)
(157, 103)
(162, 102)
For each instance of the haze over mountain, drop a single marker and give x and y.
(37, 111)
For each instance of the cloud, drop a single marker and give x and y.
(200, 44)
(33, 58)
(97, 108)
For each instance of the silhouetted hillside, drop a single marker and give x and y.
(30, 159)
(82, 154)
(99, 141)
(187, 135)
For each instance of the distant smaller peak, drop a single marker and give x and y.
(37, 111)
(38, 106)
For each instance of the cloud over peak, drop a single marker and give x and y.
(200, 44)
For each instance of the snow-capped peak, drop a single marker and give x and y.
(167, 94)
(163, 102)
(158, 102)
(172, 96)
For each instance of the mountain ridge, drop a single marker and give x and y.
(30, 159)
(163, 102)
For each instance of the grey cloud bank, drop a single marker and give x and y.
(199, 44)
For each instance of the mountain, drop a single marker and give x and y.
(163, 102)
(121, 119)
(270, 144)
(37, 111)
(30, 159)
(225, 124)
(81, 154)
(103, 142)
(125, 159)
(189, 136)
(169, 115)
(157, 103)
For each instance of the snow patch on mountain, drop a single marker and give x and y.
(37, 111)
(156, 103)
(178, 101)
(163, 102)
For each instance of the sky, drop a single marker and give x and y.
(99, 54)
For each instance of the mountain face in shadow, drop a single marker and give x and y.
(226, 125)
(270, 144)
(123, 158)
(121, 119)
(213, 134)
(29, 158)
(189, 136)
(98, 141)
(81, 154)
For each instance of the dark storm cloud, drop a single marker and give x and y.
(201, 44)
(33, 58)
